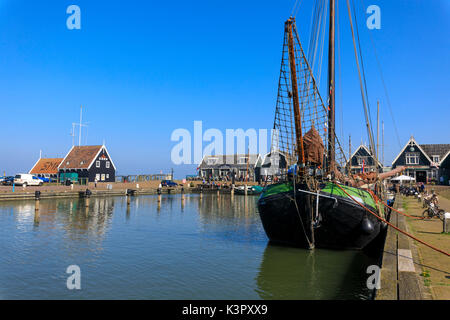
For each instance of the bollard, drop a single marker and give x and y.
(128, 193)
(446, 222)
(87, 195)
(37, 197)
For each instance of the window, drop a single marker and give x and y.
(107, 176)
(107, 164)
(436, 159)
(412, 158)
(243, 160)
(103, 177)
(212, 161)
(97, 164)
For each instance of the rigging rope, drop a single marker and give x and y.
(391, 225)
(363, 70)
(388, 100)
(369, 132)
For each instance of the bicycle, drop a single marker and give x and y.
(433, 211)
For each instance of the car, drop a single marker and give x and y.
(44, 179)
(7, 181)
(25, 179)
(168, 183)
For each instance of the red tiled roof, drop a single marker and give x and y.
(80, 157)
(46, 166)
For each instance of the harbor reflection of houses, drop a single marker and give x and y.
(238, 212)
(81, 222)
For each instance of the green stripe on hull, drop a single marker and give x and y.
(330, 188)
(356, 193)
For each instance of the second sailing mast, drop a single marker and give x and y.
(331, 91)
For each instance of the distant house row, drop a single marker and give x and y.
(82, 163)
(254, 166)
(425, 163)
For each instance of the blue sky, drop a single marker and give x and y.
(143, 69)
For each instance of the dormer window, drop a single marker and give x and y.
(67, 163)
(82, 162)
(436, 159)
(212, 161)
(243, 160)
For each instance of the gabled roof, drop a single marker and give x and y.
(418, 146)
(46, 166)
(368, 152)
(82, 157)
(440, 150)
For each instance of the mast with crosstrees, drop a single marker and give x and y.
(331, 90)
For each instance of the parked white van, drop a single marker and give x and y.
(25, 179)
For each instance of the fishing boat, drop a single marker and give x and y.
(319, 203)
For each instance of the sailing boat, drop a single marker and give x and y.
(315, 206)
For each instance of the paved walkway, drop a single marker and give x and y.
(435, 266)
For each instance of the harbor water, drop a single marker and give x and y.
(209, 247)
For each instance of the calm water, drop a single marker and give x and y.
(210, 248)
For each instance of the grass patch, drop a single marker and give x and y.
(425, 274)
(404, 205)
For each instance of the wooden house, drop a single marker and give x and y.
(224, 167)
(425, 162)
(88, 163)
(363, 158)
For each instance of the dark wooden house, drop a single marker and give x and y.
(273, 164)
(224, 167)
(363, 158)
(425, 162)
(88, 163)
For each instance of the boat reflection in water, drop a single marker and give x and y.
(292, 273)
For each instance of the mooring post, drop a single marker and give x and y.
(87, 196)
(201, 192)
(245, 189)
(128, 197)
(37, 198)
(446, 222)
(158, 191)
(218, 190)
(182, 193)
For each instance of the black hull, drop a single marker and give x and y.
(344, 224)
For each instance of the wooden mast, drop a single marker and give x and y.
(331, 90)
(295, 100)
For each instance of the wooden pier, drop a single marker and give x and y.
(400, 279)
